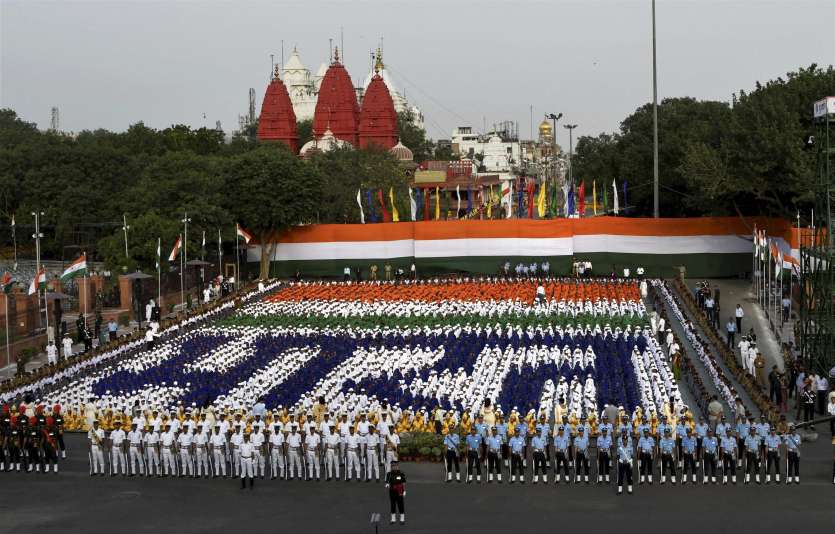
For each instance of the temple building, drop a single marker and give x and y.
(378, 119)
(337, 109)
(277, 122)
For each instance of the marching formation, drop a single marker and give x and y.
(523, 379)
(31, 443)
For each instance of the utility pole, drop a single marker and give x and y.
(125, 229)
(184, 257)
(655, 212)
(570, 128)
(37, 237)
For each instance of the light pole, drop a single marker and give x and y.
(185, 220)
(554, 119)
(37, 237)
(125, 229)
(655, 212)
(570, 128)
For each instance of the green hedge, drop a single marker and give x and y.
(420, 446)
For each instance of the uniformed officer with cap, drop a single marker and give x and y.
(561, 445)
(451, 442)
(667, 447)
(539, 443)
(710, 446)
(772, 455)
(604, 447)
(473, 443)
(581, 452)
(688, 451)
(792, 440)
(728, 448)
(494, 447)
(646, 448)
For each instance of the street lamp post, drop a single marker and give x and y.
(125, 229)
(570, 128)
(655, 211)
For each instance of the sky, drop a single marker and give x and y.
(112, 63)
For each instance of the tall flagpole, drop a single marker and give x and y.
(159, 272)
(219, 254)
(8, 345)
(37, 237)
(86, 286)
(182, 292)
(14, 242)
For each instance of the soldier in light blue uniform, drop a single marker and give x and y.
(581, 455)
(792, 440)
(473, 444)
(625, 453)
(772, 444)
(701, 433)
(544, 431)
(663, 426)
(522, 432)
(539, 445)
(710, 446)
(494, 450)
(743, 428)
(753, 444)
(451, 442)
(667, 446)
(646, 448)
(604, 447)
(688, 450)
(483, 431)
(681, 431)
(605, 425)
(517, 449)
(722, 428)
(501, 429)
(728, 446)
(561, 444)
(763, 427)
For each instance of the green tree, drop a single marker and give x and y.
(271, 190)
(414, 137)
(305, 131)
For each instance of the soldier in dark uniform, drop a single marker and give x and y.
(5, 427)
(58, 421)
(49, 446)
(32, 442)
(40, 418)
(396, 484)
(13, 446)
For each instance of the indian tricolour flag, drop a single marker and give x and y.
(243, 234)
(176, 249)
(6, 283)
(39, 282)
(76, 268)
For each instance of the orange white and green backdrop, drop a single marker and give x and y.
(706, 246)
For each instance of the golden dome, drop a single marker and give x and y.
(545, 129)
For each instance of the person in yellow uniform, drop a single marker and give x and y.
(488, 413)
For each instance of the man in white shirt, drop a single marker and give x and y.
(258, 439)
(362, 431)
(235, 441)
(352, 442)
(311, 453)
(739, 313)
(51, 352)
(150, 443)
(201, 452)
(168, 439)
(247, 451)
(276, 442)
(383, 429)
(372, 463)
(332, 442)
(294, 463)
(392, 443)
(343, 434)
(184, 441)
(117, 450)
(135, 454)
(67, 344)
(218, 445)
(96, 437)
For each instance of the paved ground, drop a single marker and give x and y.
(733, 292)
(72, 501)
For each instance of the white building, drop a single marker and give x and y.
(496, 155)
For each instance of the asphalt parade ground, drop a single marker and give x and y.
(72, 501)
